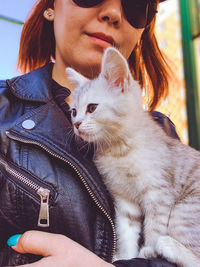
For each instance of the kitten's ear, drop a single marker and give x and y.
(115, 68)
(75, 77)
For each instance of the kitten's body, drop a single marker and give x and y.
(148, 173)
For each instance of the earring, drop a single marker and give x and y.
(49, 14)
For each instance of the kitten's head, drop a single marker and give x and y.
(102, 108)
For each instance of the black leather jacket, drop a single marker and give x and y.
(42, 171)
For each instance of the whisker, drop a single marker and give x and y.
(70, 136)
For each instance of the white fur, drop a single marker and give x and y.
(146, 171)
(75, 78)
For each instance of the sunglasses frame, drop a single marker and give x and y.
(148, 8)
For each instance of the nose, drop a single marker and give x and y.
(111, 12)
(77, 124)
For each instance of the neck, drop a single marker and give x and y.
(60, 76)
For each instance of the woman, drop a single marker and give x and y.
(47, 182)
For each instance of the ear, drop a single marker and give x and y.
(75, 77)
(115, 68)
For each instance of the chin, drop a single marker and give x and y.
(91, 65)
(90, 138)
(92, 71)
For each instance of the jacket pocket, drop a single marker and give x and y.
(39, 190)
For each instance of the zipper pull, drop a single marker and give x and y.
(43, 220)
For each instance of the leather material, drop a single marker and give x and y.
(46, 154)
(144, 263)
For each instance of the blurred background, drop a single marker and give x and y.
(12, 15)
(178, 33)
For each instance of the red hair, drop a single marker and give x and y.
(37, 48)
(37, 43)
(150, 67)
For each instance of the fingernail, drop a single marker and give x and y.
(12, 241)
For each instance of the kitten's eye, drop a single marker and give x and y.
(74, 112)
(91, 108)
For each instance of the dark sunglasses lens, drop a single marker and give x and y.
(87, 3)
(139, 13)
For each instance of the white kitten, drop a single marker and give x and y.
(149, 174)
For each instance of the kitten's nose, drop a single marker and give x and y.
(77, 124)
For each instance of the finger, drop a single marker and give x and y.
(40, 243)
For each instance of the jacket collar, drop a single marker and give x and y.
(33, 86)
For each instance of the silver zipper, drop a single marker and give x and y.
(81, 178)
(43, 218)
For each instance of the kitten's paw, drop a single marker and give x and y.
(147, 252)
(165, 247)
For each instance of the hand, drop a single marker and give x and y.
(58, 250)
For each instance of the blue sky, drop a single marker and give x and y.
(10, 34)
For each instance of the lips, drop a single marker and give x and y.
(103, 37)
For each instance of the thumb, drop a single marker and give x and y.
(40, 243)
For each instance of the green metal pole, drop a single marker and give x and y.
(193, 105)
(11, 20)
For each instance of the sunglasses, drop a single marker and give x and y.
(139, 13)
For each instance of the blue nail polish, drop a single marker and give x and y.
(12, 241)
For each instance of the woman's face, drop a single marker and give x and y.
(82, 34)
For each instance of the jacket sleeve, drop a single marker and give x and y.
(137, 262)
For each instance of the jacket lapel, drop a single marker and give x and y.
(51, 130)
